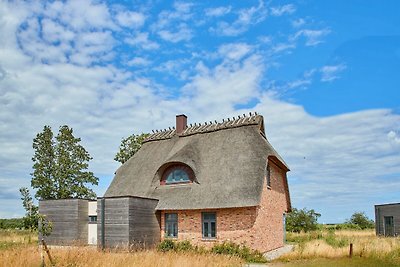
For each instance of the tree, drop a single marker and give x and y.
(60, 166)
(302, 220)
(44, 165)
(129, 146)
(31, 216)
(361, 219)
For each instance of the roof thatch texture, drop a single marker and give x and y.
(228, 163)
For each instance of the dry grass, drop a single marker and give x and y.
(11, 238)
(29, 255)
(335, 245)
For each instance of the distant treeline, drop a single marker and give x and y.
(15, 223)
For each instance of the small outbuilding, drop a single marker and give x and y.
(387, 219)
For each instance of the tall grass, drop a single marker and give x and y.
(29, 255)
(12, 238)
(335, 244)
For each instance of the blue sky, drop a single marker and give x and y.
(324, 74)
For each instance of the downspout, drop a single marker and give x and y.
(103, 240)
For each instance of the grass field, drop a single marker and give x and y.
(19, 248)
(320, 248)
(331, 248)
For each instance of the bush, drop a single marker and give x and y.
(166, 245)
(184, 246)
(16, 223)
(230, 248)
(302, 220)
(361, 219)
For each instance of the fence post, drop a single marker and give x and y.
(351, 250)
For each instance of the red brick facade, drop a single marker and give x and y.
(258, 227)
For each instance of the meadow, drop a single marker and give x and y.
(317, 248)
(331, 248)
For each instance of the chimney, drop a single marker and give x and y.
(181, 123)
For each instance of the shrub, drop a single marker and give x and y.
(230, 248)
(361, 219)
(166, 245)
(183, 246)
(302, 220)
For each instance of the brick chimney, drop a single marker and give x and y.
(181, 123)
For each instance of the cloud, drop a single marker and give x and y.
(171, 25)
(282, 10)
(138, 61)
(217, 11)
(245, 18)
(234, 51)
(330, 73)
(130, 19)
(313, 37)
(141, 39)
(394, 137)
(182, 33)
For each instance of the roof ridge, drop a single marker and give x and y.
(198, 128)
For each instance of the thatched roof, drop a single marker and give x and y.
(228, 160)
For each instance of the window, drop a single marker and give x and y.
(92, 219)
(268, 175)
(176, 174)
(171, 225)
(209, 225)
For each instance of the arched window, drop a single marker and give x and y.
(177, 173)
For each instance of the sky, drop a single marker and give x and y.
(324, 74)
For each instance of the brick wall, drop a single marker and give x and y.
(259, 227)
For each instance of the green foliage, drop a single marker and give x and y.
(334, 241)
(32, 211)
(226, 248)
(45, 226)
(345, 226)
(166, 245)
(15, 223)
(361, 220)
(184, 246)
(129, 146)
(302, 220)
(230, 248)
(60, 166)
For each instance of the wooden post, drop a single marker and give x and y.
(351, 250)
(48, 252)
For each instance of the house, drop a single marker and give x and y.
(387, 219)
(206, 183)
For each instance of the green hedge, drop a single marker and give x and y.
(226, 248)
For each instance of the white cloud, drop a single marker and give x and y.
(313, 37)
(141, 39)
(138, 61)
(281, 47)
(245, 18)
(234, 51)
(218, 11)
(394, 137)
(330, 72)
(171, 25)
(182, 33)
(282, 10)
(130, 19)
